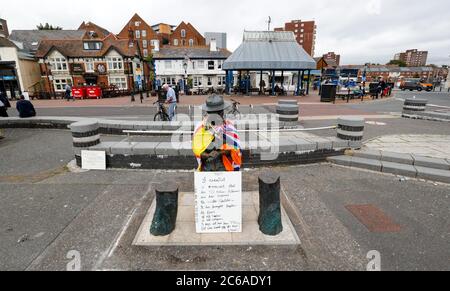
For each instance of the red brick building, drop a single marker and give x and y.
(305, 33)
(334, 58)
(89, 61)
(185, 35)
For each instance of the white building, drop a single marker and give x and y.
(18, 70)
(200, 66)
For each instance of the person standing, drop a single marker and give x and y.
(25, 108)
(4, 105)
(171, 100)
(69, 92)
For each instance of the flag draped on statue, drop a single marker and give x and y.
(224, 137)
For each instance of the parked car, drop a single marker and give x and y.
(418, 85)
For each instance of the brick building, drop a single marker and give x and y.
(185, 35)
(305, 33)
(4, 32)
(331, 57)
(106, 62)
(413, 58)
(138, 30)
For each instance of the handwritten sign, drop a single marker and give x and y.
(218, 199)
(93, 160)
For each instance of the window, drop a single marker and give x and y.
(144, 44)
(221, 80)
(201, 64)
(171, 81)
(168, 65)
(211, 65)
(183, 33)
(219, 64)
(60, 84)
(58, 64)
(175, 42)
(209, 81)
(144, 33)
(89, 64)
(114, 63)
(191, 42)
(198, 81)
(138, 34)
(302, 30)
(145, 53)
(303, 25)
(137, 23)
(154, 42)
(91, 45)
(119, 82)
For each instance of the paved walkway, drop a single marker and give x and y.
(434, 146)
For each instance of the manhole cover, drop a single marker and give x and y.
(373, 218)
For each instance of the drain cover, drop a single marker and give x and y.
(373, 218)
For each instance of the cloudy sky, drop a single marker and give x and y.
(361, 31)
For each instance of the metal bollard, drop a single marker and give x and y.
(164, 220)
(269, 204)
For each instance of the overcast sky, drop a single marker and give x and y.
(361, 31)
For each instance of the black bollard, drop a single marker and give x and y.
(269, 204)
(164, 221)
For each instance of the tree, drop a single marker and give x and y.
(397, 63)
(47, 27)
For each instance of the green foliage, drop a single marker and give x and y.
(47, 27)
(397, 63)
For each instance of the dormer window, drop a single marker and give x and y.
(92, 46)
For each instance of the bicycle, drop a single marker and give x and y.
(235, 110)
(161, 115)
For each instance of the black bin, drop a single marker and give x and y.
(328, 93)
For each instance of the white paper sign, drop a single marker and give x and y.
(218, 200)
(93, 160)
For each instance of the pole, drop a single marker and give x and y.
(273, 83)
(308, 82)
(298, 83)
(261, 89)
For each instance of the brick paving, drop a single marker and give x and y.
(434, 146)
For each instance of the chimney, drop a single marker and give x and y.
(4, 32)
(213, 45)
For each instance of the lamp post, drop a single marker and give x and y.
(50, 85)
(185, 67)
(130, 78)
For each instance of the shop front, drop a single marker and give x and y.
(9, 82)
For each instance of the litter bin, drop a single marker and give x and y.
(328, 93)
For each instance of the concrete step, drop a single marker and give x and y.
(373, 164)
(406, 159)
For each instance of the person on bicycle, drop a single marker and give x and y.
(171, 100)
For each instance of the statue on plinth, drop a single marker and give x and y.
(216, 142)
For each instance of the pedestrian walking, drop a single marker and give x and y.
(171, 100)
(25, 108)
(69, 93)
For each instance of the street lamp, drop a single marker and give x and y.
(185, 67)
(130, 78)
